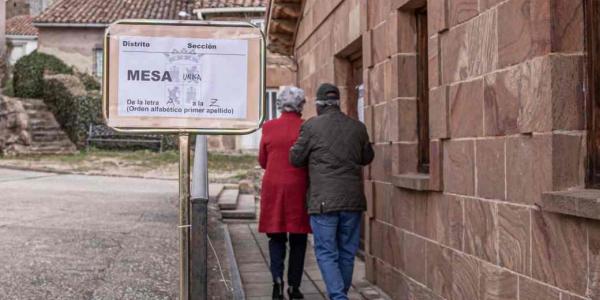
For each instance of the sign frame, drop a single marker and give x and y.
(176, 130)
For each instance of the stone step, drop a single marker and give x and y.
(228, 199)
(215, 190)
(43, 124)
(245, 210)
(34, 104)
(48, 136)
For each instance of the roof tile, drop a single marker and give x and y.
(21, 25)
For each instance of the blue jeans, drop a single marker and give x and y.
(337, 238)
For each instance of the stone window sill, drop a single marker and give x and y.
(584, 203)
(414, 181)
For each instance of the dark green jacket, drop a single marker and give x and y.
(335, 148)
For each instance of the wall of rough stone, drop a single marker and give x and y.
(14, 125)
(507, 125)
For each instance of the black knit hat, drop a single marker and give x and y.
(328, 91)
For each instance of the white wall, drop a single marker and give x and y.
(20, 48)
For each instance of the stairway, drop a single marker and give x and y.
(47, 137)
(235, 205)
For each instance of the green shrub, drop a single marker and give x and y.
(8, 88)
(73, 109)
(28, 76)
(91, 82)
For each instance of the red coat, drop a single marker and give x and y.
(283, 195)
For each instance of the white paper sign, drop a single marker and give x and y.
(179, 77)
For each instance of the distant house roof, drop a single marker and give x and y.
(92, 12)
(230, 3)
(21, 25)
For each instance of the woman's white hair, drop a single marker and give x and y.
(290, 99)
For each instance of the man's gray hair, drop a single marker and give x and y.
(290, 99)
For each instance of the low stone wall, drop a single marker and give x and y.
(14, 123)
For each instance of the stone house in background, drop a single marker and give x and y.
(484, 117)
(73, 30)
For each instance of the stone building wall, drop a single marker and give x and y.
(507, 126)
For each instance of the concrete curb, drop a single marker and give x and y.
(236, 278)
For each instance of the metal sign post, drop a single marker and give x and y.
(186, 78)
(199, 234)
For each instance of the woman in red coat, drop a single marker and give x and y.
(283, 215)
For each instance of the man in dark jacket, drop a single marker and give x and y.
(335, 148)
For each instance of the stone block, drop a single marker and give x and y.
(392, 34)
(436, 165)
(437, 16)
(382, 124)
(455, 61)
(434, 73)
(406, 28)
(379, 42)
(376, 235)
(370, 199)
(497, 284)
(403, 120)
(369, 110)
(393, 246)
(465, 276)
(404, 158)
(593, 290)
(381, 167)
(528, 168)
(390, 77)
(461, 10)
(424, 217)
(531, 290)
(439, 270)
(404, 205)
(382, 195)
(459, 171)
(514, 236)
(568, 161)
(448, 220)
(568, 102)
(383, 275)
(466, 109)
(535, 108)
(480, 229)
(524, 30)
(438, 113)
(404, 68)
(414, 261)
(482, 43)
(568, 30)
(367, 49)
(376, 84)
(555, 236)
(490, 168)
(501, 102)
(370, 269)
(377, 12)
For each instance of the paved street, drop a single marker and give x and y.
(86, 237)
